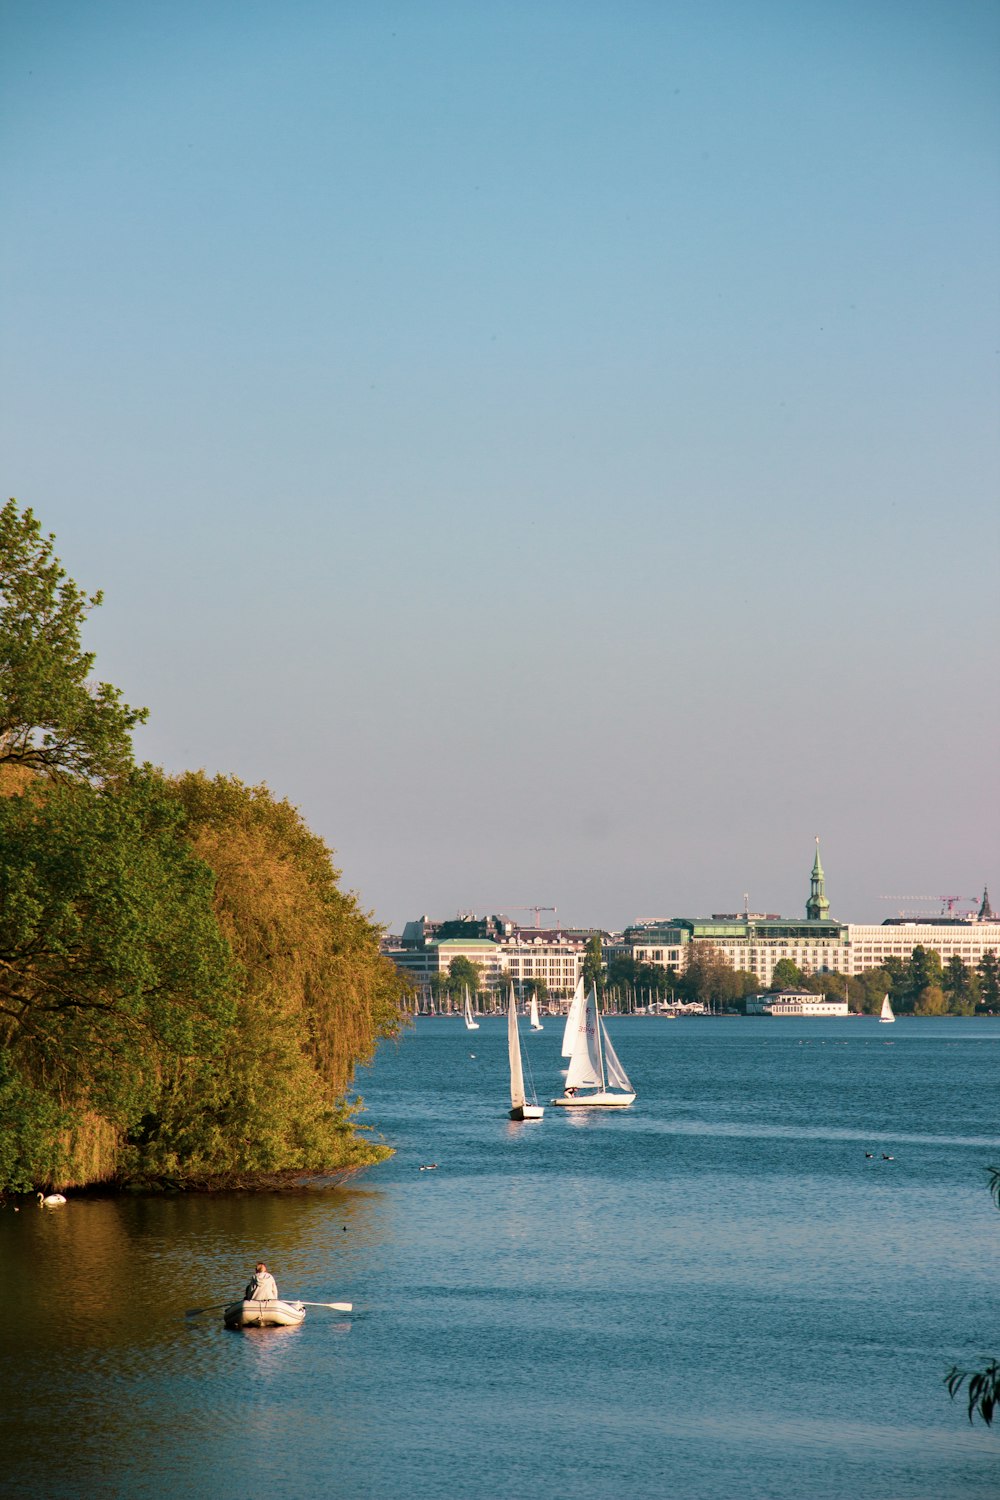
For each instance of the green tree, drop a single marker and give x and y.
(53, 719)
(961, 985)
(898, 971)
(931, 1001)
(983, 1388)
(112, 966)
(869, 990)
(314, 998)
(709, 978)
(463, 972)
(623, 972)
(923, 974)
(539, 989)
(988, 969)
(593, 963)
(786, 976)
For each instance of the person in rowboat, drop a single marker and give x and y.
(262, 1286)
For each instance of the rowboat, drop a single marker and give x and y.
(272, 1314)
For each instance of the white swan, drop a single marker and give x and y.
(52, 1201)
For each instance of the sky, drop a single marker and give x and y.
(554, 445)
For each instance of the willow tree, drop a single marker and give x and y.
(314, 998)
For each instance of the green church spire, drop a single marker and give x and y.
(817, 907)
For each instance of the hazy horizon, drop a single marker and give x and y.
(557, 448)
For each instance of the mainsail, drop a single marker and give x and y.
(584, 1069)
(514, 1051)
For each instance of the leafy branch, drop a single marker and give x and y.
(982, 1387)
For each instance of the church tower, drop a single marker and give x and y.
(986, 910)
(817, 907)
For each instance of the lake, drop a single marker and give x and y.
(712, 1294)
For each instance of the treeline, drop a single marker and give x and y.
(920, 985)
(707, 979)
(185, 990)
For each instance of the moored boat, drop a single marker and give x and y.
(270, 1314)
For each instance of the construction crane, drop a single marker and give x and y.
(536, 909)
(947, 902)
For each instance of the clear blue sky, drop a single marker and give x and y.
(556, 445)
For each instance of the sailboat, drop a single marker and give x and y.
(536, 1024)
(520, 1109)
(887, 1011)
(594, 1065)
(471, 1024)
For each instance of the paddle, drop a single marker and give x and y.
(194, 1312)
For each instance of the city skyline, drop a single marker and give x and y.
(554, 447)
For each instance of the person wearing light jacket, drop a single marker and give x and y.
(262, 1286)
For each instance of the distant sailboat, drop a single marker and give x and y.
(887, 1012)
(471, 1024)
(520, 1109)
(594, 1066)
(536, 1024)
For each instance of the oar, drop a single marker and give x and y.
(194, 1312)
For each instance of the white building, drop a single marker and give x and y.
(553, 958)
(794, 1003)
(815, 944)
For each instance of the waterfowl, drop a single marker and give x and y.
(52, 1201)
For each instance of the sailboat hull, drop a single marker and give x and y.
(595, 1101)
(527, 1112)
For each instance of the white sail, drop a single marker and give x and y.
(536, 1024)
(573, 1018)
(887, 1011)
(514, 1052)
(584, 1069)
(617, 1077)
(470, 1023)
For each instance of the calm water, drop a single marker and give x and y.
(713, 1294)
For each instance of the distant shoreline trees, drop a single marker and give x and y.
(185, 990)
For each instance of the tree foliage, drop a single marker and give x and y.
(709, 978)
(462, 972)
(786, 976)
(314, 998)
(111, 961)
(185, 990)
(53, 719)
(988, 971)
(982, 1386)
(593, 963)
(869, 989)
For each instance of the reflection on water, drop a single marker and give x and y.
(716, 1286)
